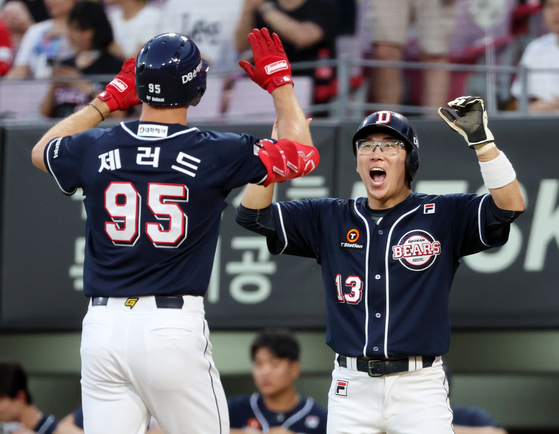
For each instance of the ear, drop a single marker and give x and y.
(295, 369)
(21, 396)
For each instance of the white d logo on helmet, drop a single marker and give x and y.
(384, 118)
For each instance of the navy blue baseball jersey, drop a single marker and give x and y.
(472, 416)
(148, 189)
(246, 412)
(46, 425)
(387, 283)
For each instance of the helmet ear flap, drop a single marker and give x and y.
(196, 100)
(412, 163)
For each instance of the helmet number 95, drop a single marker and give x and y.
(154, 88)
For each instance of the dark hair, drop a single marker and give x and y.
(91, 16)
(13, 379)
(279, 341)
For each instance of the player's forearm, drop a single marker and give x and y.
(292, 123)
(508, 197)
(301, 34)
(85, 119)
(257, 196)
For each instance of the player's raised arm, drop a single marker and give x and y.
(293, 155)
(498, 174)
(119, 94)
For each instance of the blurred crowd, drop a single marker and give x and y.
(69, 45)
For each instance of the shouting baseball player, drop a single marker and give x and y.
(154, 193)
(388, 261)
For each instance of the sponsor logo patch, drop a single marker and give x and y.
(312, 421)
(351, 240)
(417, 250)
(131, 302)
(352, 235)
(341, 387)
(276, 66)
(152, 130)
(120, 85)
(429, 208)
(192, 74)
(56, 148)
(254, 423)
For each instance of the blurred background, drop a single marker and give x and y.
(350, 58)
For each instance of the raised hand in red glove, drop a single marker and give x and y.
(271, 68)
(120, 93)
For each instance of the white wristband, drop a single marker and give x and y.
(498, 172)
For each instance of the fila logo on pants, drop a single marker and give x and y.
(341, 388)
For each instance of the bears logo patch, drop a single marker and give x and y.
(417, 250)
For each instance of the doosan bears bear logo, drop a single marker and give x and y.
(417, 250)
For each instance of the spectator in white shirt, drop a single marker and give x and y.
(134, 23)
(210, 24)
(542, 53)
(44, 44)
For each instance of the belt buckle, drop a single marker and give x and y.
(377, 368)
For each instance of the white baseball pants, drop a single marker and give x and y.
(143, 360)
(405, 403)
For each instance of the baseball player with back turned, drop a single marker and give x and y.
(154, 193)
(388, 261)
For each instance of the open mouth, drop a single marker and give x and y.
(378, 175)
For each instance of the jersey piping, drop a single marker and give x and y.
(290, 421)
(282, 229)
(366, 278)
(57, 140)
(258, 413)
(388, 277)
(44, 428)
(211, 378)
(300, 414)
(479, 220)
(154, 139)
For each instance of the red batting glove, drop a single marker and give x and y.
(271, 68)
(120, 93)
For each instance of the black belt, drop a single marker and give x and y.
(380, 367)
(161, 301)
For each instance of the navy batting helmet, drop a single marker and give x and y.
(396, 125)
(170, 71)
